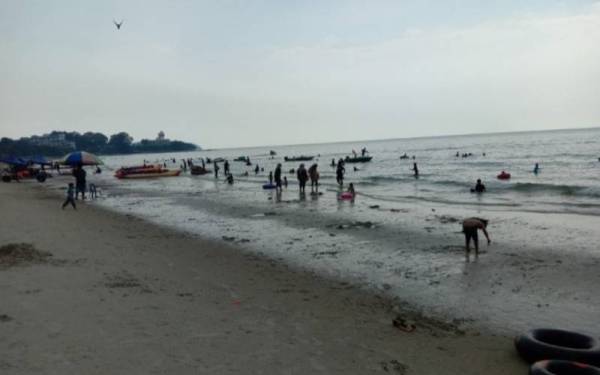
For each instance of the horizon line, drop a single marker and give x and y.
(407, 138)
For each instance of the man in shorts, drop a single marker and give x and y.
(470, 228)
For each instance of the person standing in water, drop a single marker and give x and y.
(416, 170)
(271, 178)
(226, 167)
(470, 228)
(339, 173)
(351, 190)
(216, 167)
(278, 177)
(314, 178)
(536, 169)
(302, 178)
(479, 187)
(256, 169)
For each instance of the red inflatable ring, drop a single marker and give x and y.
(558, 367)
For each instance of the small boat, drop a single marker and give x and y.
(199, 170)
(272, 153)
(241, 158)
(218, 160)
(358, 159)
(162, 173)
(145, 171)
(299, 158)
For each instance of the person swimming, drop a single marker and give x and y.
(479, 187)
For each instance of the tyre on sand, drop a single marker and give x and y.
(541, 344)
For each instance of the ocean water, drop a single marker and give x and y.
(401, 236)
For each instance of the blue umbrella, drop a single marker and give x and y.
(13, 160)
(81, 157)
(39, 159)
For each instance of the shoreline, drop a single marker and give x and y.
(122, 279)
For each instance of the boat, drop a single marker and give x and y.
(358, 159)
(199, 170)
(146, 171)
(299, 158)
(162, 173)
(272, 153)
(241, 158)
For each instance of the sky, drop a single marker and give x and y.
(247, 73)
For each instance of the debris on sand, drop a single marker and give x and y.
(445, 219)
(21, 253)
(356, 224)
(124, 280)
(394, 365)
(403, 324)
(322, 254)
(5, 318)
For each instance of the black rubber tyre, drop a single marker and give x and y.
(41, 177)
(541, 344)
(558, 367)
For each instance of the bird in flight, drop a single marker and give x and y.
(118, 24)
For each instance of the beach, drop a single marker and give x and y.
(122, 295)
(401, 236)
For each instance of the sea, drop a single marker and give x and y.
(401, 235)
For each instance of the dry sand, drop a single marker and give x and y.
(121, 296)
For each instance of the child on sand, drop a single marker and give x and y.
(70, 196)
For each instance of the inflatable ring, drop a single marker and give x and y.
(558, 367)
(346, 196)
(540, 344)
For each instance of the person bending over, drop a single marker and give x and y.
(470, 228)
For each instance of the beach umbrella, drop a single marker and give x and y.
(39, 159)
(81, 157)
(15, 161)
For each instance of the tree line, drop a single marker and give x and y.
(98, 143)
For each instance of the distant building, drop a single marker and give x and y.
(54, 139)
(161, 137)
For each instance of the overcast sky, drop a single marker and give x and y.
(241, 73)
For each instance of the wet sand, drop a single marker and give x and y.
(121, 295)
